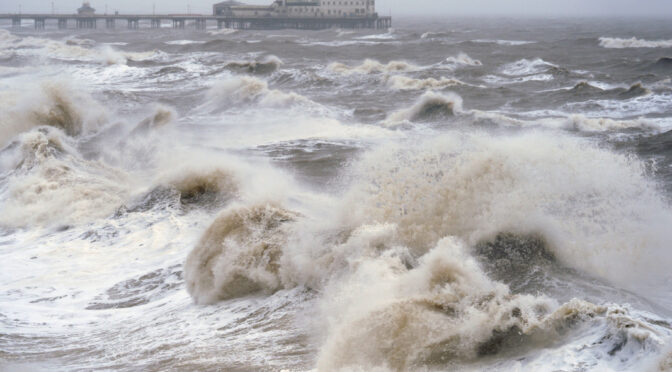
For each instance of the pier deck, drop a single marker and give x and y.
(199, 21)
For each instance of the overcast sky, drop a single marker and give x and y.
(659, 8)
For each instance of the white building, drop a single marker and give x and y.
(86, 9)
(299, 9)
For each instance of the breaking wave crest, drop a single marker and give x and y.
(587, 124)
(238, 254)
(248, 90)
(265, 66)
(474, 186)
(527, 67)
(462, 59)
(54, 104)
(50, 184)
(223, 31)
(400, 82)
(430, 106)
(161, 116)
(446, 312)
(370, 66)
(504, 42)
(616, 43)
(443, 310)
(413, 296)
(434, 35)
(201, 185)
(74, 49)
(398, 286)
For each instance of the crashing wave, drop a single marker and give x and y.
(398, 286)
(75, 49)
(52, 185)
(223, 31)
(184, 42)
(400, 82)
(584, 86)
(162, 115)
(474, 186)
(434, 35)
(430, 106)
(583, 123)
(265, 66)
(462, 59)
(370, 66)
(617, 43)
(201, 185)
(246, 90)
(446, 311)
(504, 42)
(54, 104)
(238, 255)
(389, 35)
(636, 90)
(526, 67)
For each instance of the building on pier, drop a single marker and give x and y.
(299, 9)
(86, 10)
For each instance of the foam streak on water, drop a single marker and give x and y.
(484, 196)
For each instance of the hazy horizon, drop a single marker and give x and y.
(523, 8)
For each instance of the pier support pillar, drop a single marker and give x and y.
(16, 22)
(200, 24)
(109, 23)
(156, 23)
(178, 23)
(62, 23)
(133, 24)
(39, 23)
(86, 23)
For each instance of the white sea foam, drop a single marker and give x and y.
(223, 31)
(504, 42)
(462, 59)
(370, 66)
(400, 82)
(617, 43)
(398, 285)
(72, 49)
(56, 103)
(429, 105)
(434, 35)
(184, 42)
(581, 221)
(526, 67)
(244, 90)
(389, 35)
(495, 79)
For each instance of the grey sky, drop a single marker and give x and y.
(660, 8)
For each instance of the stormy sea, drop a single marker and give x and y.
(447, 195)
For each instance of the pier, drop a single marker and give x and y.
(196, 21)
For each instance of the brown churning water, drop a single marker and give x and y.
(446, 195)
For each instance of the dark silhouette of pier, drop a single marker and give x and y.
(198, 21)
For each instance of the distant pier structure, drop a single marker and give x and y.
(281, 14)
